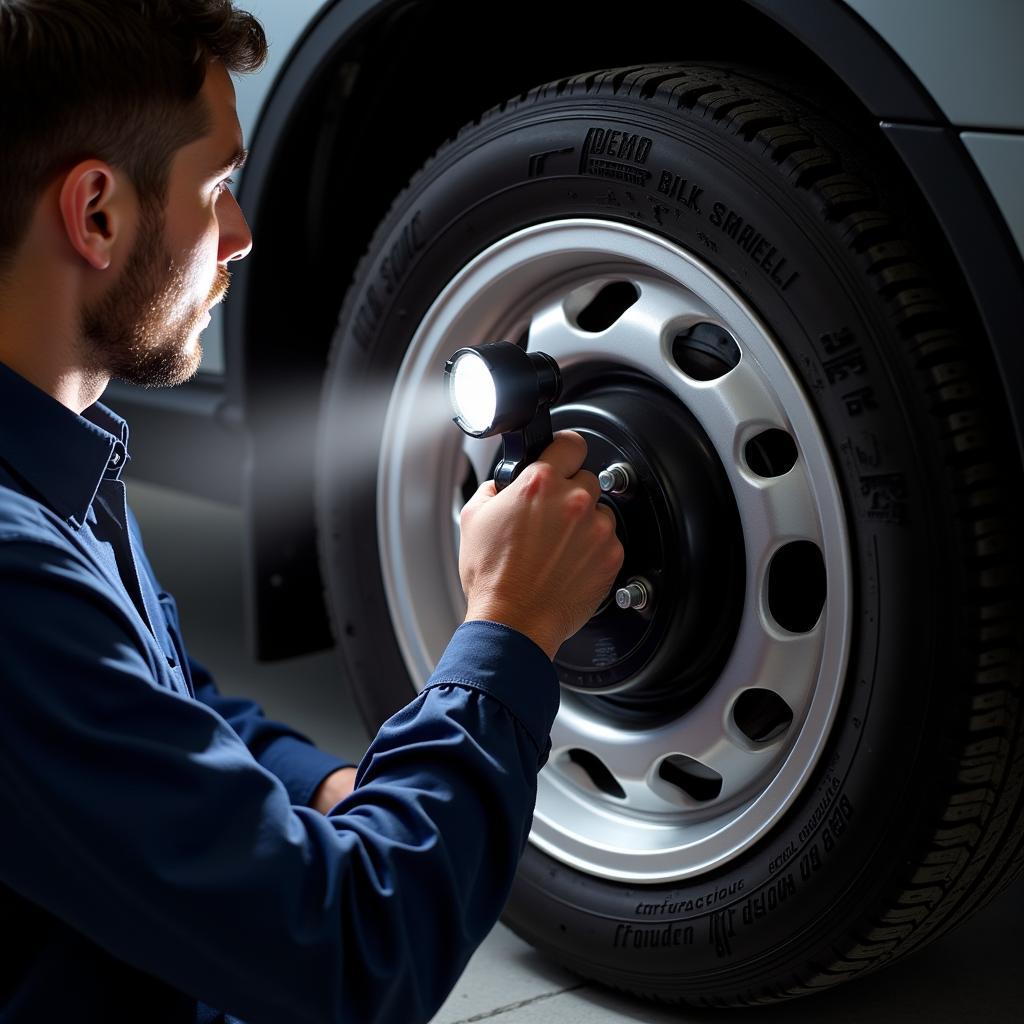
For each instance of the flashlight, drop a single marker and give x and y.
(500, 388)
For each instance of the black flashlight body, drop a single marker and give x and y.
(521, 447)
(526, 385)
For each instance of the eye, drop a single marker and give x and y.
(222, 186)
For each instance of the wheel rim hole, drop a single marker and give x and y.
(705, 352)
(771, 453)
(796, 586)
(762, 715)
(696, 780)
(470, 484)
(607, 306)
(597, 772)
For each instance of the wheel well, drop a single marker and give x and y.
(403, 87)
(388, 96)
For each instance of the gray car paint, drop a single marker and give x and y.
(1000, 158)
(966, 53)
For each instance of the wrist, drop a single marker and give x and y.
(333, 789)
(536, 632)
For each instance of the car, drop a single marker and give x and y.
(776, 250)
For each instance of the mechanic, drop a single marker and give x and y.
(169, 854)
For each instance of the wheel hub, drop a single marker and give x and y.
(680, 530)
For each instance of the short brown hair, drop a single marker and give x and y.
(116, 80)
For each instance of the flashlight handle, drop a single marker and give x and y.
(521, 447)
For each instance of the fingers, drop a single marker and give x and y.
(565, 453)
(486, 490)
(613, 546)
(483, 494)
(585, 479)
(609, 514)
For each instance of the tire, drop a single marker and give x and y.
(823, 466)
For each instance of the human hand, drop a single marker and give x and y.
(541, 555)
(333, 789)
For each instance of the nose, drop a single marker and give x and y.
(235, 236)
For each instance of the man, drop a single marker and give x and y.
(168, 854)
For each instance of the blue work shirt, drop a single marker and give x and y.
(157, 854)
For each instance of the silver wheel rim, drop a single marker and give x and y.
(536, 280)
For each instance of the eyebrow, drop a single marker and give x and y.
(234, 162)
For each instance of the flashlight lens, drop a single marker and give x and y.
(472, 392)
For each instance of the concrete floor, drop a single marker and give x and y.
(974, 974)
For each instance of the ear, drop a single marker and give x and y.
(92, 207)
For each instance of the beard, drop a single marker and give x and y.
(130, 334)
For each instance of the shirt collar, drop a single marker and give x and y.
(61, 455)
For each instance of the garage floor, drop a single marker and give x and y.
(974, 974)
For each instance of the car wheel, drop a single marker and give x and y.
(801, 757)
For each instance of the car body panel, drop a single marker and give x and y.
(966, 53)
(1000, 159)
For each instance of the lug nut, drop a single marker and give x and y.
(635, 594)
(616, 479)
